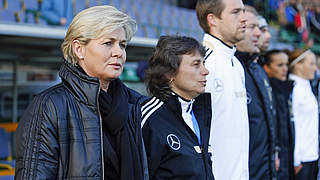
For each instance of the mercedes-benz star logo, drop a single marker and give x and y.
(173, 142)
(218, 85)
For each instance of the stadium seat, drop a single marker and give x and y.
(31, 4)
(105, 2)
(115, 3)
(94, 3)
(14, 5)
(151, 32)
(6, 164)
(3, 4)
(7, 16)
(79, 6)
(168, 16)
(140, 31)
(129, 8)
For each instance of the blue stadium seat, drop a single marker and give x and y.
(168, 16)
(156, 13)
(93, 3)
(105, 2)
(6, 166)
(7, 16)
(194, 22)
(186, 18)
(140, 31)
(116, 3)
(2, 4)
(31, 4)
(79, 5)
(30, 18)
(6, 177)
(151, 32)
(42, 22)
(129, 8)
(14, 5)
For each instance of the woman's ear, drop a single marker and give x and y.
(78, 49)
(170, 78)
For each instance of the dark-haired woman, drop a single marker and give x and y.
(276, 67)
(176, 120)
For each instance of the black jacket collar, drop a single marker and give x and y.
(283, 87)
(245, 57)
(83, 87)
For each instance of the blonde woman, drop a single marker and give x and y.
(88, 126)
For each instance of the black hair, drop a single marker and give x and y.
(268, 56)
(165, 62)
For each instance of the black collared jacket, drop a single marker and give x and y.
(60, 133)
(172, 148)
(282, 91)
(261, 119)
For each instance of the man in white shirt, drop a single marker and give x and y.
(224, 25)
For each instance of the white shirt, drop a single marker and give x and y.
(305, 116)
(186, 107)
(229, 135)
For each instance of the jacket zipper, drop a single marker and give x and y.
(101, 134)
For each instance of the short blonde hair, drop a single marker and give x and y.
(93, 23)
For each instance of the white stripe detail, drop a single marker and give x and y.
(154, 103)
(149, 114)
(148, 103)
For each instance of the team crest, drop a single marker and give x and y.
(173, 142)
(218, 85)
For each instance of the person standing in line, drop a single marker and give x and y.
(260, 104)
(276, 66)
(302, 68)
(264, 39)
(224, 25)
(176, 120)
(89, 125)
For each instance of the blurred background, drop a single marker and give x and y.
(31, 32)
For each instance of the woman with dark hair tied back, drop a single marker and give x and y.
(176, 120)
(302, 68)
(276, 66)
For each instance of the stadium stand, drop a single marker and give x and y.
(154, 18)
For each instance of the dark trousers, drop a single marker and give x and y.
(309, 171)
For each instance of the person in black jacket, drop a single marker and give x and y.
(276, 67)
(176, 120)
(260, 105)
(88, 126)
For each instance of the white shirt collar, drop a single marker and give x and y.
(299, 80)
(214, 43)
(186, 106)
